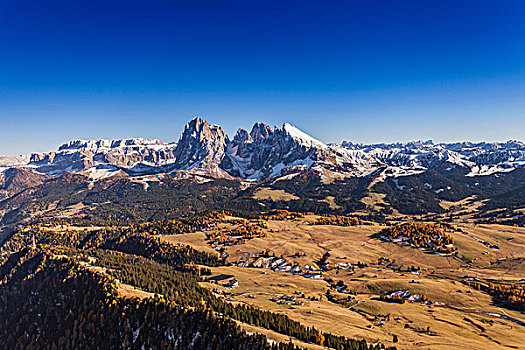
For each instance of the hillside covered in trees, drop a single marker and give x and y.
(49, 302)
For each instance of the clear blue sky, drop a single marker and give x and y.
(359, 70)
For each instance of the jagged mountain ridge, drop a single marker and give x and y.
(206, 149)
(265, 152)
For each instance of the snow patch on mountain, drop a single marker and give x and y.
(286, 177)
(102, 171)
(301, 137)
(14, 161)
(485, 170)
(2, 177)
(480, 159)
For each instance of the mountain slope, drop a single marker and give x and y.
(14, 180)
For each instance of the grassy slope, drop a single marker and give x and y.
(458, 324)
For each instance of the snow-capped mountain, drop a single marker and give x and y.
(6, 162)
(265, 152)
(480, 158)
(205, 149)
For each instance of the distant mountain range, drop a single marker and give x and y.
(143, 179)
(264, 152)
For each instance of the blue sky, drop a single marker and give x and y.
(358, 70)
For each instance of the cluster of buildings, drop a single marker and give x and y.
(281, 264)
(406, 295)
(232, 283)
(272, 263)
(427, 245)
(342, 288)
(287, 300)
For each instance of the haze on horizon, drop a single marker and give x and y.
(362, 71)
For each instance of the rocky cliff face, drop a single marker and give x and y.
(80, 155)
(201, 148)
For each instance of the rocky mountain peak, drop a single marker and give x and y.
(201, 146)
(270, 151)
(242, 136)
(260, 132)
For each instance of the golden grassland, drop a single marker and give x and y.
(375, 200)
(460, 323)
(275, 195)
(331, 202)
(468, 203)
(277, 337)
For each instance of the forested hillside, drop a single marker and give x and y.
(49, 302)
(55, 284)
